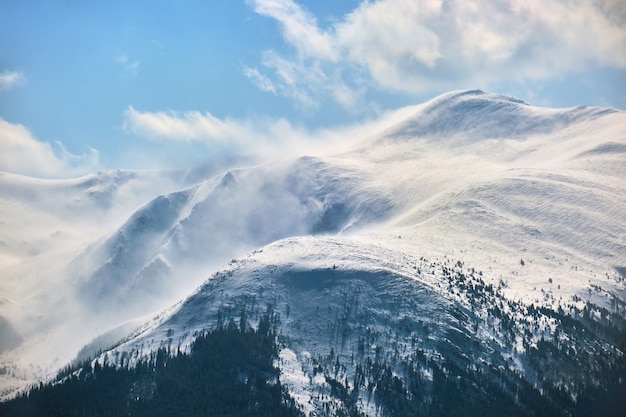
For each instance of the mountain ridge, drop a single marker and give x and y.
(474, 114)
(469, 201)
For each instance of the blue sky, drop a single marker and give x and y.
(144, 84)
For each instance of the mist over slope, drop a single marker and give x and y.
(202, 227)
(534, 199)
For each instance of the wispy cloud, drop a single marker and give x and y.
(21, 153)
(299, 28)
(258, 138)
(10, 79)
(130, 66)
(417, 46)
(261, 81)
(185, 126)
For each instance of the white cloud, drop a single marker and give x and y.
(262, 82)
(299, 27)
(10, 79)
(255, 138)
(301, 81)
(185, 126)
(417, 46)
(21, 153)
(130, 66)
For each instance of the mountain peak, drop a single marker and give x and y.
(473, 115)
(228, 180)
(460, 96)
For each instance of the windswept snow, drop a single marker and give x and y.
(533, 198)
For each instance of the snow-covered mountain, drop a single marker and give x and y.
(204, 226)
(465, 241)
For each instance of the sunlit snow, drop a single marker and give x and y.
(534, 198)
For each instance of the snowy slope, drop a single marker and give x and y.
(553, 193)
(533, 198)
(478, 226)
(351, 308)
